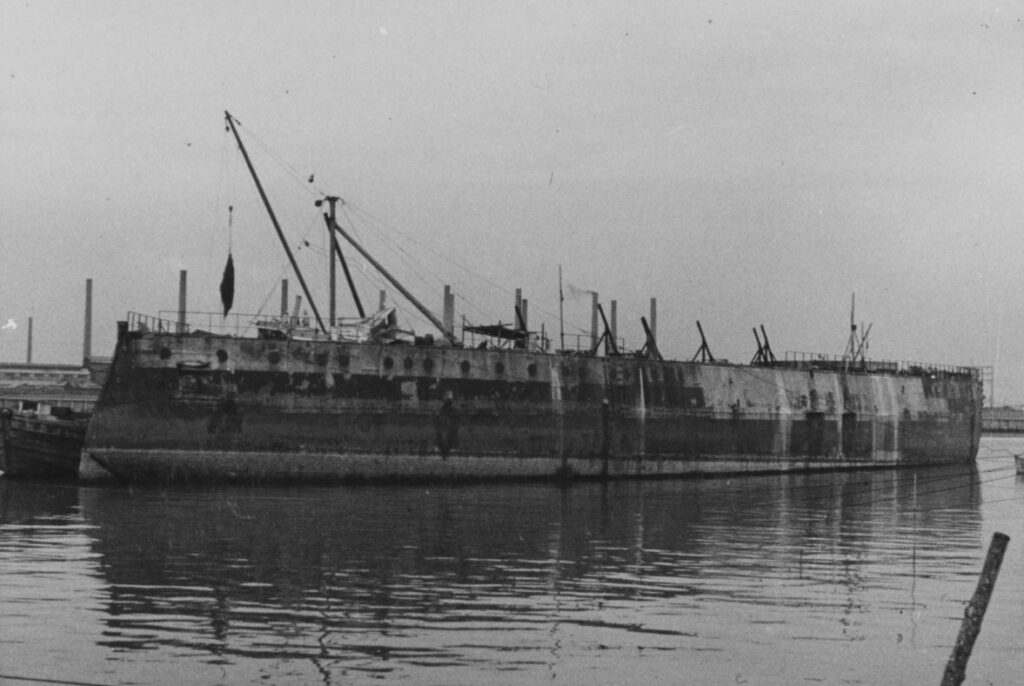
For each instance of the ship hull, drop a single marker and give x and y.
(209, 408)
(41, 447)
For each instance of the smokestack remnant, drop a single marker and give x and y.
(182, 289)
(449, 308)
(654, 319)
(87, 337)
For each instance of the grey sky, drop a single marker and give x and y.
(746, 163)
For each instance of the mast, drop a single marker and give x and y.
(561, 316)
(851, 343)
(332, 317)
(336, 249)
(273, 219)
(445, 331)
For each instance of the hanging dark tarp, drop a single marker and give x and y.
(227, 285)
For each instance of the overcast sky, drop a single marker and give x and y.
(745, 163)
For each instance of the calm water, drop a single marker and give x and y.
(857, 578)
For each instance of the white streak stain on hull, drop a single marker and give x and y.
(886, 414)
(785, 415)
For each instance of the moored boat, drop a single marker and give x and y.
(363, 400)
(41, 444)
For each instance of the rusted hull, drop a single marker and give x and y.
(207, 408)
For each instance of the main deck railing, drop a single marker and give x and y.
(805, 360)
(246, 324)
(241, 324)
(147, 322)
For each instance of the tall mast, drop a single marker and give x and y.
(561, 318)
(445, 331)
(330, 219)
(334, 268)
(273, 219)
(851, 343)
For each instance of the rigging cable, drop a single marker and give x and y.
(291, 171)
(411, 262)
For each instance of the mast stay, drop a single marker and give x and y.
(445, 331)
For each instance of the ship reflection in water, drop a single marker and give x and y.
(854, 577)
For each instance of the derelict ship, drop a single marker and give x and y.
(362, 401)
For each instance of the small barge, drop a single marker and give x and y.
(45, 444)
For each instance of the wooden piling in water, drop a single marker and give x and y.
(956, 668)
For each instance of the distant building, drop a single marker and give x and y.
(34, 386)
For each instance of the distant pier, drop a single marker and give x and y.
(1003, 420)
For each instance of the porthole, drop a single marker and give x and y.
(222, 355)
(343, 360)
(531, 369)
(500, 368)
(274, 357)
(465, 366)
(408, 363)
(428, 365)
(388, 363)
(321, 359)
(165, 353)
